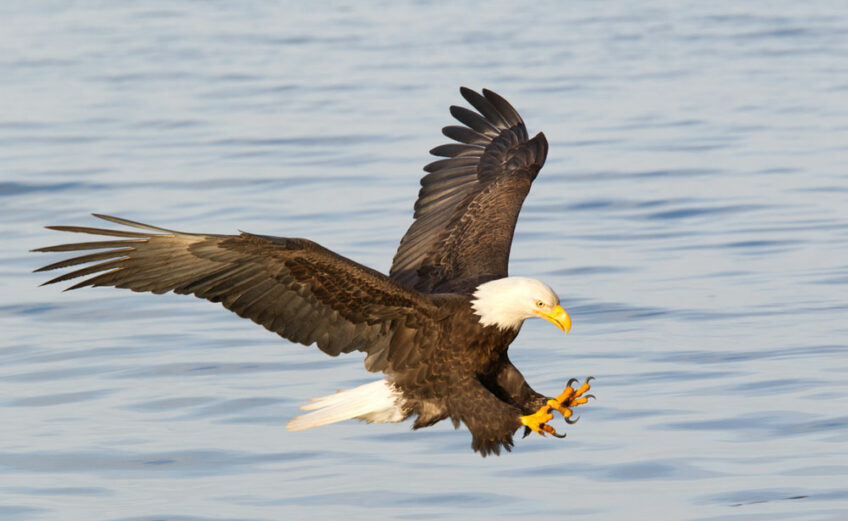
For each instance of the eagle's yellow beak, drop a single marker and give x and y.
(557, 317)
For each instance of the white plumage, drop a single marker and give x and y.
(507, 302)
(377, 402)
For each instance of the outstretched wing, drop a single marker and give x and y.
(468, 204)
(293, 287)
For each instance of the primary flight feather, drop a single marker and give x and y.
(438, 326)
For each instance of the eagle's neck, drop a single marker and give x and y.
(503, 302)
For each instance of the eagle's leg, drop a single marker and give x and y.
(570, 397)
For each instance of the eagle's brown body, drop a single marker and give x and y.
(487, 392)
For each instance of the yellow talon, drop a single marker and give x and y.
(566, 394)
(570, 397)
(557, 406)
(536, 421)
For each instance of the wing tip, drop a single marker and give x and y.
(470, 95)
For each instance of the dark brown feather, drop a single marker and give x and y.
(468, 204)
(294, 287)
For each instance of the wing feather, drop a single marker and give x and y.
(456, 150)
(464, 135)
(293, 287)
(510, 115)
(464, 172)
(442, 164)
(468, 204)
(485, 107)
(474, 121)
(84, 259)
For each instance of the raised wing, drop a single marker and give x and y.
(293, 287)
(468, 204)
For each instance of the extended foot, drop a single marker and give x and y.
(536, 422)
(571, 397)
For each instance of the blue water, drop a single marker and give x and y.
(693, 216)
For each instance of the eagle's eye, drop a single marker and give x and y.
(540, 304)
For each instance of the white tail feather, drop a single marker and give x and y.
(377, 401)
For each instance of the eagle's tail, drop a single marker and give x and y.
(378, 401)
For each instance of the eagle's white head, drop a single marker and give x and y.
(507, 302)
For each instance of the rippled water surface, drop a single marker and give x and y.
(693, 215)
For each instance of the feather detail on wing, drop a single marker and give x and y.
(293, 287)
(468, 204)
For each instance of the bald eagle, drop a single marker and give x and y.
(437, 327)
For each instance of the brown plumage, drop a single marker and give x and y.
(468, 204)
(418, 325)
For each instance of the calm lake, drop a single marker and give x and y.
(692, 215)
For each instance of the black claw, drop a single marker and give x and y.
(592, 396)
(527, 431)
(589, 379)
(571, 381)
(556, 435)
(572, 422)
